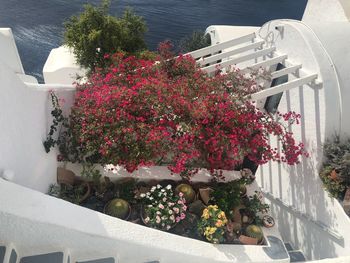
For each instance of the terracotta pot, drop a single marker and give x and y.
(248, 240)
(65, 176)
(268, 221)
(87, 193)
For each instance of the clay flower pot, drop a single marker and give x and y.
(65, 176)
(86, 186)
(268, 221)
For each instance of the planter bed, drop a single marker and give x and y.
(134, 187)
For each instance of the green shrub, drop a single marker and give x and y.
(335, 173)
(196, 40)
(94, 33)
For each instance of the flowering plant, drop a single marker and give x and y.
(212, 224)
(145, 113)
(162, 208)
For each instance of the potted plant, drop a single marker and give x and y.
(255, 231)
(118, 208)
(162, 208)
(212, 224)
(227, 196)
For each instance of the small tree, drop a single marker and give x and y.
(198, 39)
(94, 33)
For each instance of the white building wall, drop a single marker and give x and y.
(307, 216)
(327, 11)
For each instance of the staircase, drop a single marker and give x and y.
(295, 255)
(9, 255)
(250, 53)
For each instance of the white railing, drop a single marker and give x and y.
(219, 47)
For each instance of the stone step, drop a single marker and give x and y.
(101, 260)
(288, 246)
(296, 256)
(2, 253)
(56, 257)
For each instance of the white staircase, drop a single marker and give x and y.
(250, 53)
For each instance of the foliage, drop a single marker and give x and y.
(58, 119)
(255, 206)
(163, 208)
(94, 33)
(227, 196)
(212, 224)
(197, 40)
(69, 193)
(335, 173)
(143, 113)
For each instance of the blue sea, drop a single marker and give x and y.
(37, 24)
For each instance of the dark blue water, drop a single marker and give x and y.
(37, 24)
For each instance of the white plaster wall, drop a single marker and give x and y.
(8, 51)
(299, 186)
(56, 225)
(326, 11)
(25, 120)
(61, 67)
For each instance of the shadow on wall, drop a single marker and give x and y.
(300, 187)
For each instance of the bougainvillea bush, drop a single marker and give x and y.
(167, 110)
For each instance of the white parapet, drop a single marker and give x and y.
(61, 67)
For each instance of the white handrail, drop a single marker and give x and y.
(240, 59)
(218, 47)
(230, 53)
(283, 87)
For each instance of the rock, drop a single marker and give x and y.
(196, 208)
(204, 193)
(346, 202)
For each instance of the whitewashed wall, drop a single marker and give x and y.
(327, 11)
(307, 216)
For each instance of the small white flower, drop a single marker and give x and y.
(151, 198)
(170, 212)
(172, 218)
(153, 188)
(142, 195)
(158, 186)
(146, 220)
(168, 187)
(158, 213)
(163, 190)
(164, 199)
(168, 227)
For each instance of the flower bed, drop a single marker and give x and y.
(221, 212)
(140, 112)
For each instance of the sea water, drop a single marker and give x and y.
(38, 24)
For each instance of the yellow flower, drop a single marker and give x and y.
(219, 223)
(212, 230)
(205, 214)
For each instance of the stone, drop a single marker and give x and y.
(346, 202)
(196, 208)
